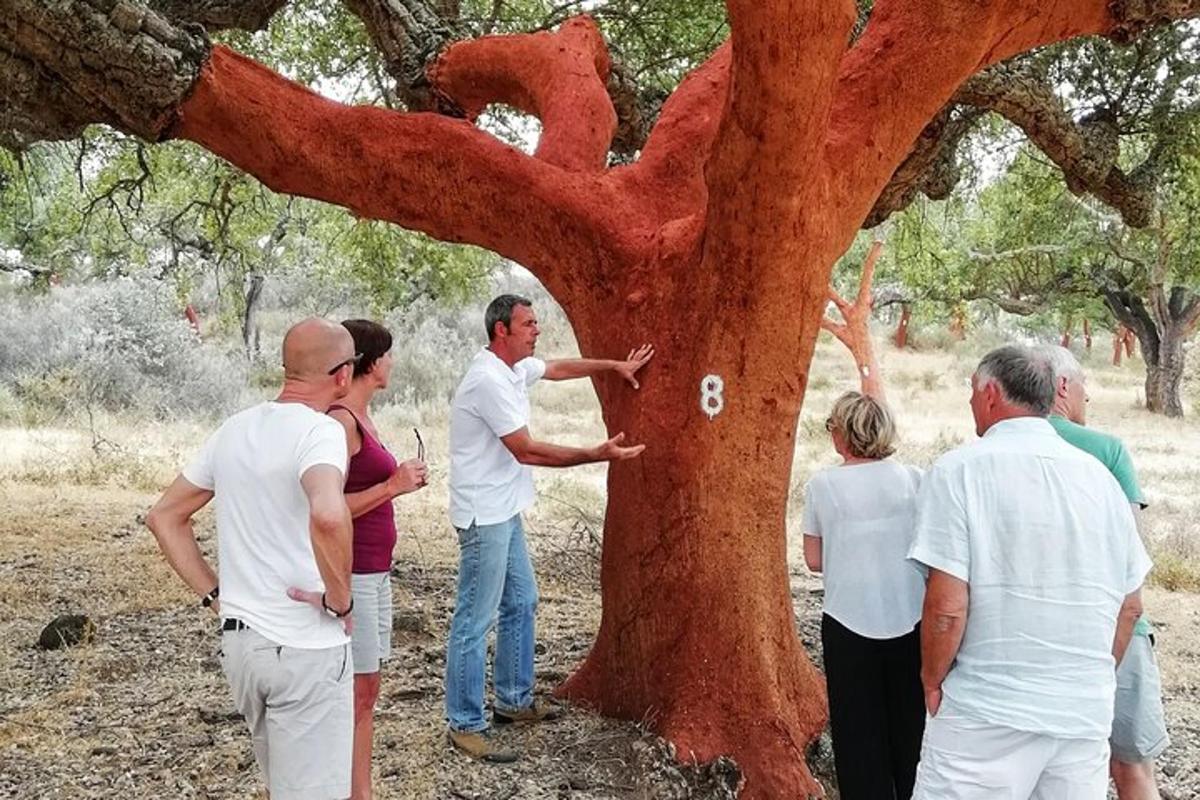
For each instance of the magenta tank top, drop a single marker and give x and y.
(374, 531)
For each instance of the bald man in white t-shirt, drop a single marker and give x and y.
(276, 471)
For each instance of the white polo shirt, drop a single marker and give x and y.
(487, 484)
(253, 464)
(1046, 541)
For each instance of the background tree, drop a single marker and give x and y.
(717, 244)
(854, 331)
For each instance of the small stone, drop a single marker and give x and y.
(67, 630)
(409, 621)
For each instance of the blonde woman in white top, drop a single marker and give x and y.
(858, 524)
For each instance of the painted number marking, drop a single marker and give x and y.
(712, 397)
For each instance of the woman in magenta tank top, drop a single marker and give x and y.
(373, 479)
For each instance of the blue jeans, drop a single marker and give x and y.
(495, 576)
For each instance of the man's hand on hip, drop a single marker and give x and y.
(317, 601)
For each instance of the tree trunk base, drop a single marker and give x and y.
(762, 713)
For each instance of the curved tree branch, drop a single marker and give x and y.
(913, 57)
(409, 34)
(559, 77)
(423, 171)
(670, 172)
(1086, 152)
(930, 169)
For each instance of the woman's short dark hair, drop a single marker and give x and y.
(371, 339)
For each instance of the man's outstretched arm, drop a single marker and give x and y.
(170, 520)
(568, 368)
(528, 450)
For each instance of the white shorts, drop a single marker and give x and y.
(371, 635)
(1139, 732)
(962, 759)
(299, 706)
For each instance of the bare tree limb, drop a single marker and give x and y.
(558, 77)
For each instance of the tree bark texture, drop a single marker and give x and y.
(716, 245)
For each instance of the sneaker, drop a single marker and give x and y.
(539, 711)
(481, 745)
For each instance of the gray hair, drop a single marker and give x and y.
(1062, 362)
(1024, 376)
(500, 310)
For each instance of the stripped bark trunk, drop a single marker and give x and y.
(854, 331)
(901, 336)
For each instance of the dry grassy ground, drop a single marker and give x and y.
(143, 712)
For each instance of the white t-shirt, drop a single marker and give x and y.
(1046, 541)
(864, 515)
(253, 464)
(487, 484)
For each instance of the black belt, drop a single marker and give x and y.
(231, 624)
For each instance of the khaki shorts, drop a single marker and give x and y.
(299, 706)
(1139, 731)
(371, 636)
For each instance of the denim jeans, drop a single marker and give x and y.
(495, 577)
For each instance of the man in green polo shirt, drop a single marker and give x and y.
(1139, 732)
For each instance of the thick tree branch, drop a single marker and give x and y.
(930, 169)
(422, 171)
(913, 56)
(670, 172)
(762, 171)
(409, 34)
(774, 119)
(559, 77)
(65, 64)
(1086, 152)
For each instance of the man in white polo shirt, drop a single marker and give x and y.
(283, 538)
(491, 483)
(1035, 574)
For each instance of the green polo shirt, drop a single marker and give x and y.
(1110, 452)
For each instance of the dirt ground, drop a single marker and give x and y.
(142, 711)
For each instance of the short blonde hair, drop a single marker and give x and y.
(865, 424)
